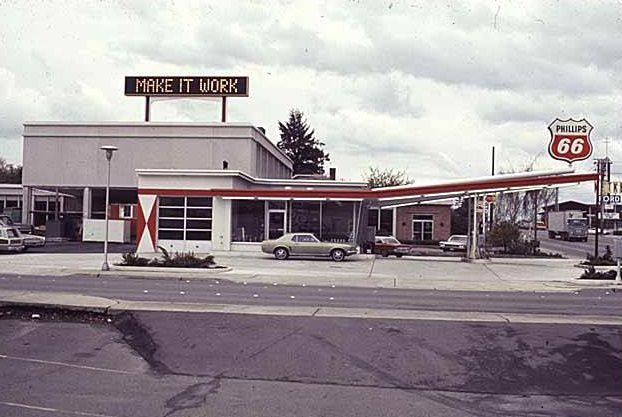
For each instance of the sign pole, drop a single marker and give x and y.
(223, 115)
(147, 108)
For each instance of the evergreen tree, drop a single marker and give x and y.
(10, 174)
(299, 144)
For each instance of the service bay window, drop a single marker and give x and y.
(423, 226)
(185, 218)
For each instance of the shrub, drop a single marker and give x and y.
(508, 235)
(132, 259)
(178, 260)
(605, 260)
(592, 273)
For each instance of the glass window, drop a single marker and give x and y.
(198, 224)
(305, 239)
(423, 217)
(305, 217)
(196, 213)
(171, 234)
(199, 201)
(276, 205)
(171, 201)
(247, 220)
(423, 227)
(386, 222)
(171, 212)
(171, 223)
(126, 211)
(372, 217)
(185, 218)
(198, 235)
(336, 221)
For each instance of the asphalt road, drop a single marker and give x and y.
(167, 364)
(575, 249)
(218, 291)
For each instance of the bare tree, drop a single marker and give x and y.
(515, 206)
(386, 177)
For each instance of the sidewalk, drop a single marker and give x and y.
(433, 273)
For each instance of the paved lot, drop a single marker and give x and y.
(416, 272)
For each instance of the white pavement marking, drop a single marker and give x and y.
(390, 314)
(54, 410)
(69, 365)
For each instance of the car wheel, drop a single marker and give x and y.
(385, 254)
(399, 255)
(281, 254)
(337, 255)
(24, 249)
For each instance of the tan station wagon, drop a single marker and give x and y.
(306, 244)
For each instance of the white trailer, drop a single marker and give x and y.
(568, 225)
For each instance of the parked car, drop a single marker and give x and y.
(592, 231)
(10, 239)
(454, 243)
(6, 220)
(32, 241)
(306, 244)
(388, 245)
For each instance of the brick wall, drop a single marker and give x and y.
(442, 220)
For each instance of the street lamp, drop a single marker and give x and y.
(109, 151)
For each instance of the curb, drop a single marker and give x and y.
(216, 270)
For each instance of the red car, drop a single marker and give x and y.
(388, 245)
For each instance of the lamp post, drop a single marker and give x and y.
(109, 151)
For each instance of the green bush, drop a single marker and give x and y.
(177, 260)
(592, 273)
(606, 259)
(132, 259)
(508, 235)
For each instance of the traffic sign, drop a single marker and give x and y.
(570, 140)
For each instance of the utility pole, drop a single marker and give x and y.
(602, 168)
(491, 206)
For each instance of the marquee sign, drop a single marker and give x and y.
(193, 86)
(570, 140)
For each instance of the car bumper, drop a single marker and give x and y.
(34, 244)
(12, 248)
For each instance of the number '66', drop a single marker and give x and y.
(574, 146)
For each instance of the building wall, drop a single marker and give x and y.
(442, 220)
(68, 154)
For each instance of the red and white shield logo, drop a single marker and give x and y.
(570, 140)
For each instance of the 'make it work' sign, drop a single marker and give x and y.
(204, 86)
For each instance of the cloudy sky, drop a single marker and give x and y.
(428, 87)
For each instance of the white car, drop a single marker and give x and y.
(11, 240)
(32, 241)
(455, 242)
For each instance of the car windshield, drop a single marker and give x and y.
(577, 222)
(457, 238)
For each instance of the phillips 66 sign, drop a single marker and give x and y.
(570, 140)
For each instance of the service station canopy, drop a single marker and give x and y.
(190, 86)
(404, 194)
